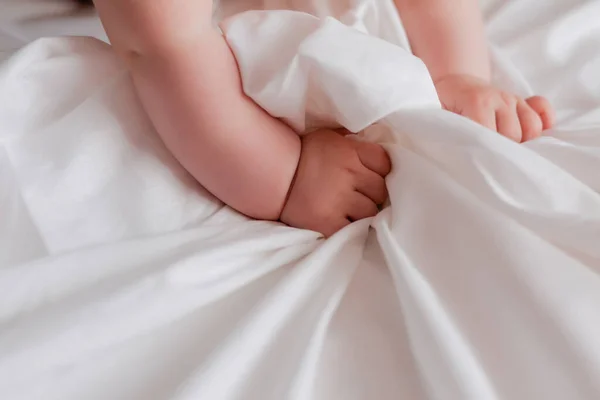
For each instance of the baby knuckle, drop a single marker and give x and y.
(483, 99)
(351, 170)
(508, 98)
(329, 209)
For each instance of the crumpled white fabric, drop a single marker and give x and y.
(120, 278)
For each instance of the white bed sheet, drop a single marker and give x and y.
(120, 278)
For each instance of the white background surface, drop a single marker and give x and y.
(23, 21)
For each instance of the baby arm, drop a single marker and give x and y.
(449, 36)
(188, 81)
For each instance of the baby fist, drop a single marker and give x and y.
(517, 119)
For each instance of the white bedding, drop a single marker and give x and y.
(120, 278)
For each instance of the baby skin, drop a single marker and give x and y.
(448, 35)
(188, 82)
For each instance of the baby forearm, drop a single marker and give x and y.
(448, 35)
(230, 145)
(189, 84)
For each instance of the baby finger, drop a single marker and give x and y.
(531, 123)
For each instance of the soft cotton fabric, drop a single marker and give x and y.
(121, 278)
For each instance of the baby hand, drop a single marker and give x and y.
(517, 119)
(338, 181)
